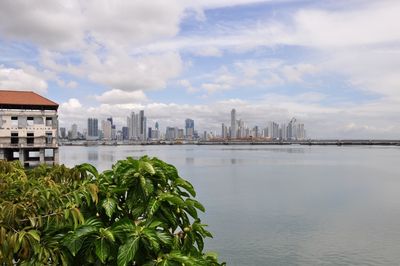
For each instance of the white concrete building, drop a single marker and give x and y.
(28, 128)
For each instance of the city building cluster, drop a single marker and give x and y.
(293, 130)
(137, 129)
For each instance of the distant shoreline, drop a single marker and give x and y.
(238, 142)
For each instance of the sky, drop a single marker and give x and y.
(334, 65)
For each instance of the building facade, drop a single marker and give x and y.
(189, 128)
(233, 132)
(93, 129)
(28, 128)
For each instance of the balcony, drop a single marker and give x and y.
(28, 142)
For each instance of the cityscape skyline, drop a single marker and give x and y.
(137, 129)
(331, 64)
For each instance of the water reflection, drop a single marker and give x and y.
(107, 157)
(93, 155)
(284, 149)
(189, 160)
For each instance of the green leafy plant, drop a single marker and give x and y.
(141, 212)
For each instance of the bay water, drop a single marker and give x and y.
(285, 205)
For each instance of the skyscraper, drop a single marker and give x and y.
(106, 127)
(137, 126)
(113, 128)
(273, 130)
(171, 133)
(224, 131)
(125, 133)
(63, 133)
(142, 125)
(189, 128)
(233, 124)
(93, 129)
(291, 129)
(74, 131)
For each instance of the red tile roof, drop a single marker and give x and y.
(24, 98)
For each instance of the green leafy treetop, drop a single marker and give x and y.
(138, 213)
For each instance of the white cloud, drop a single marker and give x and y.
(295, 73)
(18, 79)
(188, 86)
(120, 71)
(368, 24)
(47, 23)
(71, 104)
(209, 51)
(214, 87)
(68, 25)
(116, 96)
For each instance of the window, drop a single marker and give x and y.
(48, 153)
(49, 121)
(30, 139)
(30, 121)
(14, 121)
(49, 138)
(38, 120)
(14, 138)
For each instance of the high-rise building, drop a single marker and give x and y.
(233, 124)
(63, 133)
(137, 126)
(107, 129)
(205, 135)
(300, 132)
(142, 126)
(224, 131)
(125, 133)
(171, 133)
(241, 130)
(155, 133)
(273, 130)
(256, 132)
(93, 129)
(113, 128)
(291, 129)
(181, 133)
(74, 131)
(189, 128)
(283, 132)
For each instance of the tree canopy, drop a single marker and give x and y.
(140, 212)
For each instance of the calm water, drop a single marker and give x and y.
(279, 205)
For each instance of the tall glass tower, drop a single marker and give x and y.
(233, 124)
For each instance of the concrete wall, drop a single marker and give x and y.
(38, 127)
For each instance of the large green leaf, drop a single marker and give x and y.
(146, 167)
(73, 243)
(186, 185)
(195, 203)
(154, 204)
(109, 205)
(102, 249)
(174, 199)
(89, 168)
(127, 252)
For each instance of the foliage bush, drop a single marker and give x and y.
(138, 213)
